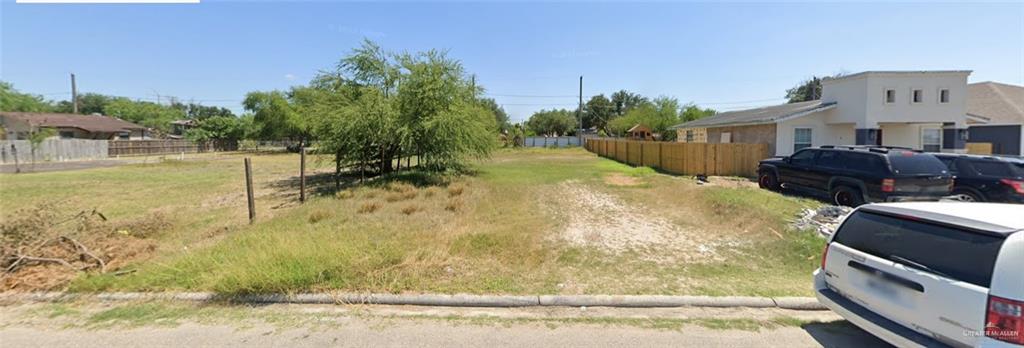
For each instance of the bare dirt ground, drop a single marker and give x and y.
(89, 325)
(602, 220)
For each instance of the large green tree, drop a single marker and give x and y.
(807, 90)
(553, 122)
(148, 114)
(597, 112)
(692, 112)
(88, 104)
(624, 100)
(376, 107)
(659, 115)
(13, 100)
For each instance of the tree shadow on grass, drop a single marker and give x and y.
(324, 184)
(842, 333)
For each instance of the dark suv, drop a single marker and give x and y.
(986, 178)
(853, 175)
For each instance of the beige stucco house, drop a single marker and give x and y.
(918, 109)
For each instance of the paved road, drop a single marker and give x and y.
(390, 326)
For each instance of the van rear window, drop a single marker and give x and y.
(913, 163)
(958, 254)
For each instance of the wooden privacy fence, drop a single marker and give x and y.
(156, 147)
(683, 158)
(979, 148)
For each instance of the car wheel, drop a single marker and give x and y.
(768, 181)
(967, 196)
(846, 196)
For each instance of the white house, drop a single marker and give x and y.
(918, 109)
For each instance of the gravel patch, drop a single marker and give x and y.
(597, 219)
(824, 220)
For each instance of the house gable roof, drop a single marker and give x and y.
(999, 103)
(91, 123)
(762, 115)
(638, 127)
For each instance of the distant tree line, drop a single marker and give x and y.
(614, 116)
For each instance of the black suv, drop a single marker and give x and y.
(853, 175)
(986, 178)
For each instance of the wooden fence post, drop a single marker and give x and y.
(248, 189)
(302, 174)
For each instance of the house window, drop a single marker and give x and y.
(931, 139)
(943, 96)
(726, 138)
(67, 134)
(689, 135)
(890, 96)
(916, 96)
(124, 135)
(801, 138)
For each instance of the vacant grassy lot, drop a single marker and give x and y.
(526, 221)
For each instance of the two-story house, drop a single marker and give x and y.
(918, 109)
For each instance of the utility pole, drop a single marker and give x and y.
(579, 115)
(74, 95)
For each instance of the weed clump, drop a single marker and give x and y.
(453, 205)
(455, 190)
(411, 209)
(346, 194)
(319, 215)
(368, 207)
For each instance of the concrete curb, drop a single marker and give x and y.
(443, 300)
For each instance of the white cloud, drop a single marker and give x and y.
(289, 77)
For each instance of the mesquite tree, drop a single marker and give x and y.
(376, 107)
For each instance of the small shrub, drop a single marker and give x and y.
(319, 215)
(346, 194)
(455, 190)
(400, 187)
(453, 205)
(369, 207)
(411, 209)
(430, 192)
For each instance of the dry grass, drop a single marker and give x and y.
(455, 190)
(503, 238)
(369, 207)
(430, 192)
(454, 204)
(319, 215)
(411, 209)
(345, 194)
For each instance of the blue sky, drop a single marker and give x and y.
(724, 56)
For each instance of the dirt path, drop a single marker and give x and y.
(598, 219)
(37, 325)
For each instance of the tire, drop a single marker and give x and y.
(768, 181)
(968, 195)
(846, 196)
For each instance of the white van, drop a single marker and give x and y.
(929, 274)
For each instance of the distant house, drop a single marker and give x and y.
(180, 127)
(918, 109)
(995, 114)
(640, 132)
(19, 125)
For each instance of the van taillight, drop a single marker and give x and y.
(1005, 320)
(888, 185)
(824, 256)
(1017, 185)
